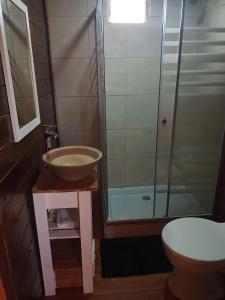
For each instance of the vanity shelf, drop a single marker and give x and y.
(67, 255)
(56, 234)
(61, 234)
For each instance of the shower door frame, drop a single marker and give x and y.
(152, 225)
(218, 207)
(173, 116)
(219, 203)
(102, 106)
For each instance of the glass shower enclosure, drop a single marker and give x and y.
(161, 89)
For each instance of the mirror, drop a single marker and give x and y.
(18, 66)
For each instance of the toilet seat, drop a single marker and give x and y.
(196, 238)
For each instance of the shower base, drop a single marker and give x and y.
(132, 203)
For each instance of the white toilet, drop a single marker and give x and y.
(196, 249)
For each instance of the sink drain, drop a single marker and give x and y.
(146, 198)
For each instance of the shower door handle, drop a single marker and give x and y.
(164, 121)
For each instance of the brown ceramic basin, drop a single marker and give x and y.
(72, 163)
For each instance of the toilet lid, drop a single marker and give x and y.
(196, 238)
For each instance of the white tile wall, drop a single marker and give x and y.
(132, 68)
(69, 37)
(72, 77)
(115, 76)
(77, 112)
(139, 172)
(220, 22)
(116, 172)
(114, 40)
(92, 40)
(200, 118)
(191, 10)
(141, 111)
(73, 51)
(69, 8)
(143, 76)
(144, 40)
(115, 112)
(156, 7)
(91, 6)
(141, 143)
(132, 53)
(79, 137)
(116, 140)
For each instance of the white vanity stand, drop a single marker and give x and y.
(49, 192)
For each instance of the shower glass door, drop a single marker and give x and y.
(198, 109)
(99, 27)
(132, 53)
(161, 88)
(172, 25)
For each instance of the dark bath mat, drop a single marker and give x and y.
(123, 257)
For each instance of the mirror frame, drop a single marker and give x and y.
(18, 132)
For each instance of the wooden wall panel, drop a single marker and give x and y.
(4, 108)
(18, 218)
(7, 285)
(20, 164)
(46, 108)
(6, 130)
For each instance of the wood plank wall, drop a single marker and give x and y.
(7, 290)
(20, 164)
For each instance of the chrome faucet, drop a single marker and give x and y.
(50, 132)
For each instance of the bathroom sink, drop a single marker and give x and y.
(72, 163)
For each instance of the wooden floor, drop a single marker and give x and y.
(148, 287)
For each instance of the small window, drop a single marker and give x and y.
(127, 11)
